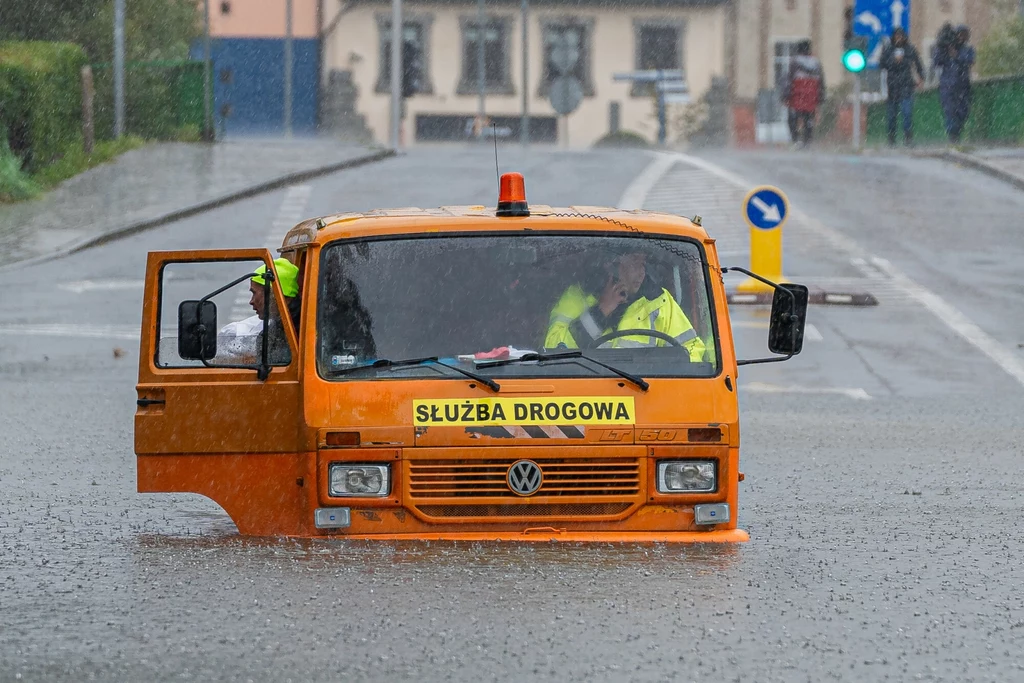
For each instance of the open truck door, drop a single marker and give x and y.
(219, 385)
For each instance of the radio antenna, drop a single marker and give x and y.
(494, 134)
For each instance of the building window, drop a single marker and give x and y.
(495, 36)
(659, 45)
(575, 33)
(225, 8)
(415, 32)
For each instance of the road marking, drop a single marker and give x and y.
(956, 321)
(100, 285)
(636, 194)
(857, 394)
(66, 330)
(871, 266)
(289, 214)
(811, 332)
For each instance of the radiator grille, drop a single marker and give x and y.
(532, 511)
(587, 477)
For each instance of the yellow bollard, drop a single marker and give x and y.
(766, 209)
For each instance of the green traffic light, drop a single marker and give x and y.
(854, 61)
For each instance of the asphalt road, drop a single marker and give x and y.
(881, 493)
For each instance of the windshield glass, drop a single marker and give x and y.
(639, 304)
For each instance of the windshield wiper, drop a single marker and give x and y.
(544, 357)
(388, 363)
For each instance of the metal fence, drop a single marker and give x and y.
(163, 100)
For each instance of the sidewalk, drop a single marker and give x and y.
(1002, 163)
(160, 183)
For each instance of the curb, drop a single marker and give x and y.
(978, 165)
(201, 207)
(816, 298)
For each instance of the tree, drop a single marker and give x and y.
(1001, 53)
(154, 29)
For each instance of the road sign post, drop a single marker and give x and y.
(665, 81)
(765, 209)
(876, 19)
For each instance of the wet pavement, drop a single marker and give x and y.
(881, 468)
(148, 183)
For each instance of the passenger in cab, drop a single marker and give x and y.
(242, 341)
(622, 296)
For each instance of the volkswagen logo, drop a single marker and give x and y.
(524, 477)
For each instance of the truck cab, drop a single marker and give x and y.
(508, 373)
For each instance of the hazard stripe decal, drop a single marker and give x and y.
(529, 432)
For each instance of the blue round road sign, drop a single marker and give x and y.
(766, 207)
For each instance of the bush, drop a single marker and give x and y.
(1001, 53)
(623, 138)
(15, 185)
(40, 99)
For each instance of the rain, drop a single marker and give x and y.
(575, 341)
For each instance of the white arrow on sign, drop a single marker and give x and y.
(771, 213)
(870, 20)
(897, 8)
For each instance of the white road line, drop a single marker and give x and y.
(636, 194)
(857, 394)
(956, 321)
(289, 213)
(100, 285)
(867, 263)
(67, 330)
(811, 332)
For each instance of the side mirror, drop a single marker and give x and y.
(789, 315)
(197, 330)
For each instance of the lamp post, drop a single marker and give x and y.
(207, 85)
(396, 72)
(118, 68)
(288, 69)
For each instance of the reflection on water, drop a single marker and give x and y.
(221, 538)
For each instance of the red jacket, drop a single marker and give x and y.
(805, 88)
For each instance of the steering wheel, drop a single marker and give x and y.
(655, 334)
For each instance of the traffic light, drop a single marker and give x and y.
(412, 69)
(855, 48)
(855, 54)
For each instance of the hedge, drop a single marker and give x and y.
(995, 115)
(40, 99)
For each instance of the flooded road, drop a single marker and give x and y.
(882, 493)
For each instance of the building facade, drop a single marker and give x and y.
(248, 65)
(767, 32)
(605, 38)
(341, 69)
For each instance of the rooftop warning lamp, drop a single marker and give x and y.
(512, 196)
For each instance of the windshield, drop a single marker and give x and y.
(639, 304)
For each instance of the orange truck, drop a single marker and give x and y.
(510, 373)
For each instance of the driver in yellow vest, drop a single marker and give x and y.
(629, 300)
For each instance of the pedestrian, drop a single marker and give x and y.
(803, 93)
(956, 61)
(900, 60)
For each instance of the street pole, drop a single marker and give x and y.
(524, 123)
(856, 112)
(207, 85)
(288, 69)
(118, 68)
(480, 62)
(396, 72)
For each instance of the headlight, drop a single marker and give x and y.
(687, 476)
(360, 481)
